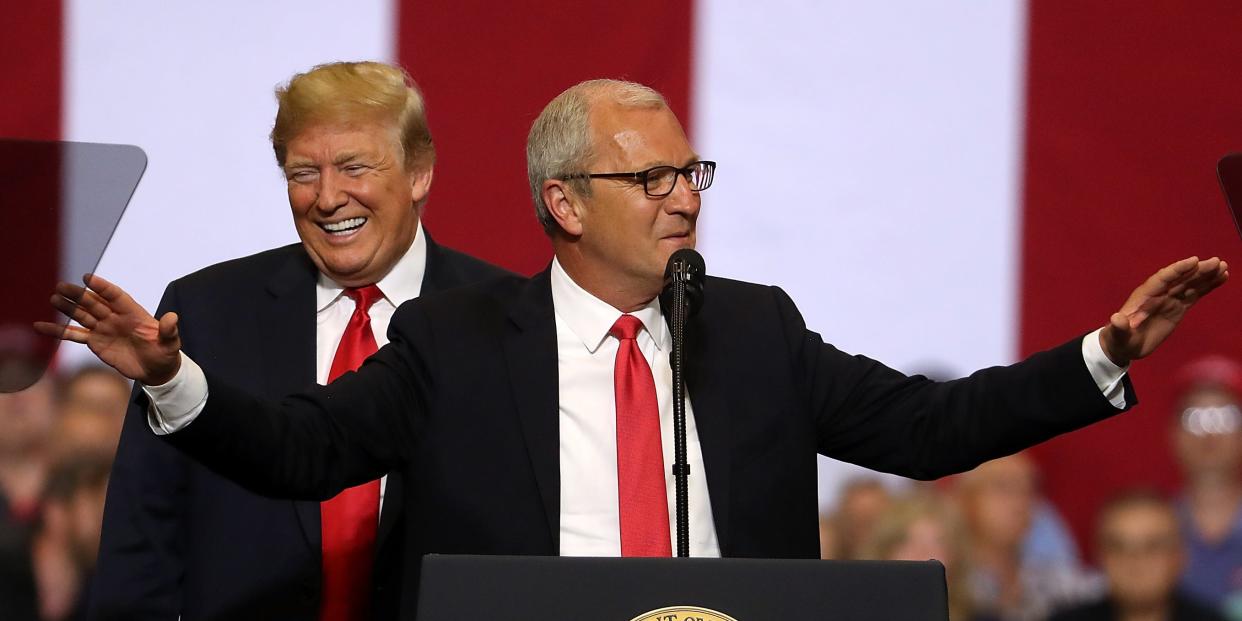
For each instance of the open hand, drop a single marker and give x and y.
(118, 330)
(1156, 306)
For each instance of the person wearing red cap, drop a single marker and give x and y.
(1207, 440)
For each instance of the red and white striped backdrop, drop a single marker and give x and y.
(941, 185)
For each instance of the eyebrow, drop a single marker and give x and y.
(343, 158)
(654, 163)
(346, 157)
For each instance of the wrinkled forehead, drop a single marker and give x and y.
(331, 138)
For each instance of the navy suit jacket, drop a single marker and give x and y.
(181, 540)
(464, 402)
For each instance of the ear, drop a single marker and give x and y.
(566, 207)
(420, 184)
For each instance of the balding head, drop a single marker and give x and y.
(561, 142)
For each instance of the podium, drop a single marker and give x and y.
(678, 589)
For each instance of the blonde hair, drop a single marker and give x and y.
(560, 142)
(351, 92)
(892, 530)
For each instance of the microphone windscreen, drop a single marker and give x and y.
(696, 275)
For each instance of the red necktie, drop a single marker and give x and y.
(640, 458)
(350, 519)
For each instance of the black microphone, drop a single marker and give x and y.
(686, 262)
(684, 277)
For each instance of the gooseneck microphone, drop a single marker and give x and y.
(682, 296)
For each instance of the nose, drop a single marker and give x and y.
(683, 199)
(332, 195)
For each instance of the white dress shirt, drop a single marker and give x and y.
(588, 451)
(586, 356)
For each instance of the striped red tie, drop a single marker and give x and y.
(350, 519)
(640, 458)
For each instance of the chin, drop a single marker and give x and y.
(346, 272)
(673, 244)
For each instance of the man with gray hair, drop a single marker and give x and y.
(534, 416)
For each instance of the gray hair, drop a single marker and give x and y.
(560, 142)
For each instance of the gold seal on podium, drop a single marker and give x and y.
(683, 613)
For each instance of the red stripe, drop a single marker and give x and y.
(30, 71)
(1128, 111)
(488, 68)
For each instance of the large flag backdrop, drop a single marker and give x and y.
(943, 186)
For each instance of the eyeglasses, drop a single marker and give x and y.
(1212, 420)
(660, 181)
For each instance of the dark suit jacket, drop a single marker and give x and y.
(181, 540)
(463, 401)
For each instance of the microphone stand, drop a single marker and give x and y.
(681, 469)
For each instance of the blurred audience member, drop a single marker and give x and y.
(96, 387)
(1140, 549)
(924, 527)
(1049, 540)
(998, 501)
(67, 541)
(858, 507)
(829, 539)
(27, 418)
(26, 421)
(1207, 439)
(83, 428)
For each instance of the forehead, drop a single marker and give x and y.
(626, 136)
(1139, 520)
(1207, 396)
(328, 137)
(1015, 469)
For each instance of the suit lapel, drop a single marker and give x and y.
(530, 353)
(287, 323)
(712, 419)
(438, 273)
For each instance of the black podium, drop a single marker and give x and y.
(673, 589)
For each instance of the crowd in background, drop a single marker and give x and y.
(57, 441)
(1008, 555)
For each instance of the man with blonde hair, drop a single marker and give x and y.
(534, 416)
(179, 540)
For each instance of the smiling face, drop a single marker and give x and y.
(353, 200)
(617, 241)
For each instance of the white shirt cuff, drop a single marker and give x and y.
(1107, 375)
(177, 402)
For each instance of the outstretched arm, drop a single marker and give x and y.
(874, 416)
(308, 446)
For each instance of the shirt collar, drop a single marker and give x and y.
(403, 282)
(590, 318)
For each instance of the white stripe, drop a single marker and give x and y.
(192, 83)
(869, 162)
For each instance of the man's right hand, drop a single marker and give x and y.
(118, 330)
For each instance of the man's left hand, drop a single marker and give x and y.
(1156, 307)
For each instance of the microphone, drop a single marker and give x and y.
(684, 277)
(686, 264)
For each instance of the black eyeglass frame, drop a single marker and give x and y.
(643, 176)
